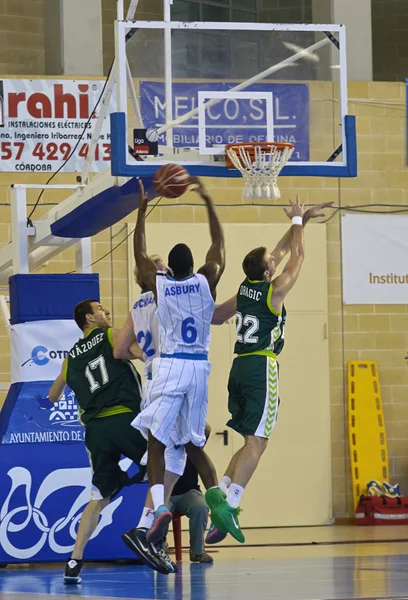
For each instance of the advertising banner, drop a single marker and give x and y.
(375, 259)
(231, 121)
(38, 348)
(35, 420)
(42, 496)
(42, 122)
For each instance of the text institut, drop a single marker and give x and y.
(389, 278)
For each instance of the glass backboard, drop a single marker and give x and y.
(199, 86)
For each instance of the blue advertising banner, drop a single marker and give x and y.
(35, 420)
(232, 121)
(43, 491)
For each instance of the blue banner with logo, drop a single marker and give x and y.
(34, 419)
(42, 495)
(231, 121)
(45, 477)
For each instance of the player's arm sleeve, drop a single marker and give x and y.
(59, 384)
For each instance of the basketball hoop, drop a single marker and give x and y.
(260, 164)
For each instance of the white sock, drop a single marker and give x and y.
(147, 518)
(234, 495)
(157, 492)
(225, 483)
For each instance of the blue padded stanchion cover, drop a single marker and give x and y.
(103, 210)
(49, 297)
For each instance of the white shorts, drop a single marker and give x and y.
(175, 456)
(176, 411)
(147, 384)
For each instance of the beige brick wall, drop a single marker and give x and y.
(147, 10)
(22, 42)
(355, 332)
(22, 37)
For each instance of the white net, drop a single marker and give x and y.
(260, 165)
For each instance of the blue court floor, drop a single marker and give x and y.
(323, 570)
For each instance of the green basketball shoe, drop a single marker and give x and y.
(225, 518)
(214, 496)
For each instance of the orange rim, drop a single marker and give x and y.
(250, 148)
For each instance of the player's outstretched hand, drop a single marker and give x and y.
(314, 212)
(296, 209)
(143, 198)
(198, 186)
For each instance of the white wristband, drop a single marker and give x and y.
(297, 221)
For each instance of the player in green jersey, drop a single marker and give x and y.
(108, 394)
(253, 382)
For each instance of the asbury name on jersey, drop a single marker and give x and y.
(259, 326)
(185, 310)
(146, 328)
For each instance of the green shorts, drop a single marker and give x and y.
(253, 395)
(106, 440)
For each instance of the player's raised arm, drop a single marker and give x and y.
(284, 245)
(215, 259)
(284, 282)
(59, 384)
(145, 265)
(225, 311)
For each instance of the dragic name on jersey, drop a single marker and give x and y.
(250, 293)
(259, 327)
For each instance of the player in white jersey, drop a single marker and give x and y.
(144, 321)
(177, 407)
(142, 326)
(146, 330)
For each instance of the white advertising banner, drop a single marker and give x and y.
(42, 120)
(375, 259)
(38, 349)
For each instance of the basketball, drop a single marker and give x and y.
(171, 181)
